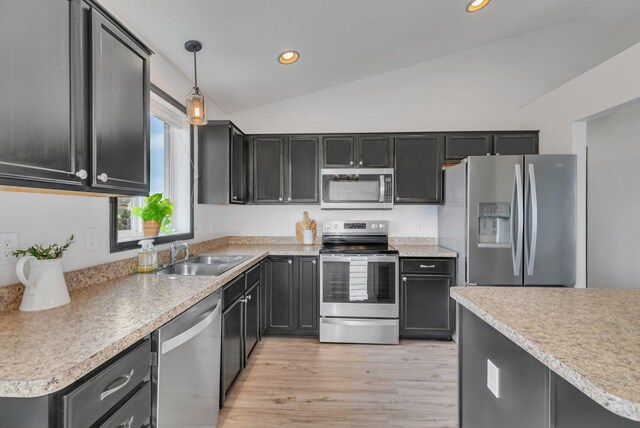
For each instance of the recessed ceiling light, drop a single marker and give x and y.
(476, 5)
(288, 57)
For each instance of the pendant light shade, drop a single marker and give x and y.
(196, 110)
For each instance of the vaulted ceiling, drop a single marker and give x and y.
(346, 40)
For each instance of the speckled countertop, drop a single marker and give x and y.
(423, 251)
(43, 352)
(590, 337)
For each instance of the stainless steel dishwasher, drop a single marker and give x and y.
(186, 378)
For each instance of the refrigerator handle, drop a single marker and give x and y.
(516, 235)
(534, 220)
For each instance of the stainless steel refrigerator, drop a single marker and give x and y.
(512, 219)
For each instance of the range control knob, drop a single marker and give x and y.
(374, 226)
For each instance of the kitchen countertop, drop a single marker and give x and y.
(43, 352)
(423, 251)
(589, 337)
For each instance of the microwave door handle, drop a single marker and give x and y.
(381, 189)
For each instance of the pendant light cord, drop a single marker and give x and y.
(195, 68)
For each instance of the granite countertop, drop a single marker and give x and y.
(589, 337)
(423, 251)
(43, 352)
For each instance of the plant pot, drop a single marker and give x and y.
(151, 228)
(45, 288)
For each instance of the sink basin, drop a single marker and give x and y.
(204, 265)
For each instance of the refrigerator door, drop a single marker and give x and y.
(494, 220)
(550, 220)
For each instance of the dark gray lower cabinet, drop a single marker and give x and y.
(252, 319)
(292, 296)
(418, 169)
(232, 358)
(426, 308)
(523, 400)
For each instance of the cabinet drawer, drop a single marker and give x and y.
(135, 413)
(87, 403)
(253, 276)
(232, 291)
(434, 266)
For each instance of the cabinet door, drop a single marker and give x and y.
(426, 309)
(516, 144)
(308, 295)
(281, 296)
(302, 170)
(338, 152)
(252, 319)
(40, 82)
(120, 101)
(268, 186)
(460, 146)
(264, 301)
(418, 169)
(375, 151)
(238, 167)
(232, 358)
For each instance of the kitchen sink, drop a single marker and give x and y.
(204, 265)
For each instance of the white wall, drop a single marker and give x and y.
(40, 218)
(561, 116)
(613, 200)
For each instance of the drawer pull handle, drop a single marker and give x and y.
(427, 266)
(117, 388)
(248, 297)
(127, 424)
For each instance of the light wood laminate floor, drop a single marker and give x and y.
(293, 382)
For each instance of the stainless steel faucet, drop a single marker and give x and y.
(175, 249)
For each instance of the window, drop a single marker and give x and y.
(171, 173)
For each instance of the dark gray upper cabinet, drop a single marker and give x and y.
(268, 170)
(418, 169)
(302, 170)
(74, 114)
(374, 151)
(222, 164)
(459, 146)
(339, 151)
(41, 133)
(120, 101)
(238, 185)
(516, 144)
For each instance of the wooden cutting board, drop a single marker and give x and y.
(305, 224)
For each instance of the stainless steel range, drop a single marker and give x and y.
(358, 283)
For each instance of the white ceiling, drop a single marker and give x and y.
(345, 40)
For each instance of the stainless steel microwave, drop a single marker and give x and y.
(356, 188)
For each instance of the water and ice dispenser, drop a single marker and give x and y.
(494, 220)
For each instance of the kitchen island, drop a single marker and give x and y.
(549, 357)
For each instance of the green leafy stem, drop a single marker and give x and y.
(53, 251)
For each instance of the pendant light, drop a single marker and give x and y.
(196, 114)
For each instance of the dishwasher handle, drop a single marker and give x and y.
(185, 336)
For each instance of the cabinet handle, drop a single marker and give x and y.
(290, 261)
(127, 424)
(248, 298)
(427, 266)
(313, 262)
(497, 154)
(397, 198)
(235, 198)
(82, 174)
(360, 162)
(103, 177)
(351, 163)
(404, 279)
(280, 199)
(488, 154)
(117, 388)
(243, 300)
(289, 199)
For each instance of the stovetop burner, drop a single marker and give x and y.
(356, 237)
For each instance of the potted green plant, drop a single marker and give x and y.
(45, 286)
(156, 214)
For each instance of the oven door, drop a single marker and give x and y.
(359, 286)
(357, 189)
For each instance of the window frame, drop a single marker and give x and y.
(114, 245)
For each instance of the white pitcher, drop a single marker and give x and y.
(45, 288)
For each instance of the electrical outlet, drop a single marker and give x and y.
(286, 225)
(493, 378)
(210, 226)
(8, 244)
(92, 239)
(416, 224)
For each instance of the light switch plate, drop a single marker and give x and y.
(8, 244)
(493, 378)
